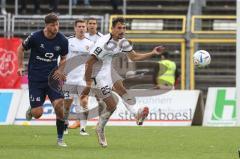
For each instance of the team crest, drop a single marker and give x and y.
(57, 48)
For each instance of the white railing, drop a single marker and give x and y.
(24, 24)
(3, 25)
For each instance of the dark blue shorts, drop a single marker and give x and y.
(38, 92)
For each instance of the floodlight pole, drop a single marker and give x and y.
(16, 7)
(124, 9)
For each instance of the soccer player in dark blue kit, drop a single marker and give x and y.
(46, 46)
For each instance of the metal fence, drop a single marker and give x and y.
(209, 32)
(203, 24)
(159, 24)
(24, 25)
(3, 25)
(221, 72)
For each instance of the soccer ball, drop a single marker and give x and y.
(201, 58)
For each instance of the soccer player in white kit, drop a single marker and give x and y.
(105, 48)
(79, 47)
(93, 35)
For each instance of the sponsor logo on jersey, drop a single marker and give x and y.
(57, 48)
(49, 55)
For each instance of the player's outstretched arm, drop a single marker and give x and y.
(20, 53)
(134, 56)
(88, 74)
(89, 69)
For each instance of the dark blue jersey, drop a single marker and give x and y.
(44, 54)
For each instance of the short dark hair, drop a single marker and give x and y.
(79, 21)
(91, 18)
(51, 18)
(118, 20)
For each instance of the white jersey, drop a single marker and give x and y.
(104, 50)
(78, 50)
(94, 37)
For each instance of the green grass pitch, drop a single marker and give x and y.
(39, 142)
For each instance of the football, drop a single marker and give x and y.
(201, 58)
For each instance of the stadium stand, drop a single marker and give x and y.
(104, 6)
(219, 7)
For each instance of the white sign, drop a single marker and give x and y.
(174, 108)
(220, 107)
(9, 102)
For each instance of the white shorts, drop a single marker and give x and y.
(104, 83)
(73, 88)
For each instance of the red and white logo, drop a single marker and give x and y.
(7, 59)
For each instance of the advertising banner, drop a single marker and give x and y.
(220, 107)
(9, 102)
(8, 63)
(174, 108)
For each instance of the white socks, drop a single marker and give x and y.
(82, 115)
(83, 118)
(129, 102)
(83, 124)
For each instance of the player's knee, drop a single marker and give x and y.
(67, 109)
(59, 113)
(111, 102)
(37, 112)
(84, 103)
(119, 88)
(67, 104)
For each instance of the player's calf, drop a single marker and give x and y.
(34, 112)
(101, 136)
(59, 110)
(66, 115)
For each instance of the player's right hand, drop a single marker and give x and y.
(158, 50)
(20, 71)
(58, 75)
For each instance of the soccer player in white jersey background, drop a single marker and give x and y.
(79, 46)
(93, 35)
(104, 49)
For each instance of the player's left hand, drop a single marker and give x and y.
(59, 75)
(158, 50)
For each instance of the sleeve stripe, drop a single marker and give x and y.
(95, 56)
